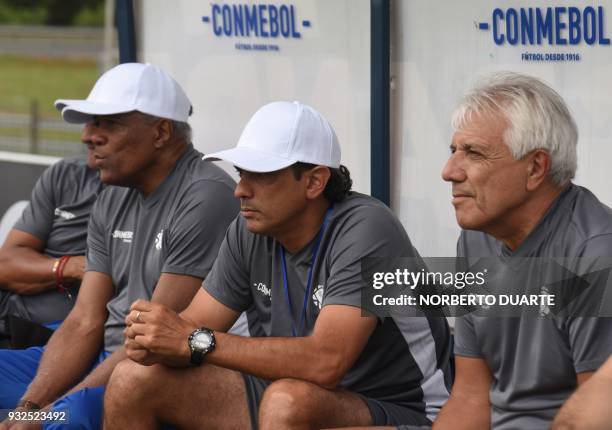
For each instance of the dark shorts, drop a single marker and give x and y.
(409, 427)
(383, 413)
(46, 307)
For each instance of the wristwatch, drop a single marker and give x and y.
(201, 341)
(27, 404)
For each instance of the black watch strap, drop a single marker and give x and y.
(197, 354)
(197, 357)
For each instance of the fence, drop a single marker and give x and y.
(28, 132)
(66, 42)
(31, 134)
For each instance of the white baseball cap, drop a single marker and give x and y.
(280, 134)
(130, 87)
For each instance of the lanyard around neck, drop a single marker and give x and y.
(296, 330)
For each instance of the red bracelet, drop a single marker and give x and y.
(59, 273)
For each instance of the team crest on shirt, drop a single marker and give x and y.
(317, 296)
(544, 309)
(158, 240)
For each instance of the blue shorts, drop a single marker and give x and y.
(18, 368)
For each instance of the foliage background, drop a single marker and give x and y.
(88, 13)
(49, 49)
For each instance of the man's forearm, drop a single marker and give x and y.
(323, 358)
(28, 288)
(278, 357)
(588, 408)
(67, 357)
(26, 271)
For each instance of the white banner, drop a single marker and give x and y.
(234, 56)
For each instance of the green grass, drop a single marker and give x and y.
(25, 79)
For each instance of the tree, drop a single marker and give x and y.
(56, 12)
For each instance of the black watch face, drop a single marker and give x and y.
(201, 340)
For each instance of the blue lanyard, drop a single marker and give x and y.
(295, 331)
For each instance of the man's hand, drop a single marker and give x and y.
(20, 425)
(138, 353)
(75, 268)
(157, 334)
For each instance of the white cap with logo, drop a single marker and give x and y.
(280, 134)
(130, 87)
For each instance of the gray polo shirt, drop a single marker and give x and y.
(534, 361)
(57, 214)
(60, 206)
(177, 229)
(405, 360)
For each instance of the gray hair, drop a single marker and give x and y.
(538, 119)
(181, 130)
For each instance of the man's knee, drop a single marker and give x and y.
(286, 401)
(131, 382)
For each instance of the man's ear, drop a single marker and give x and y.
(163, 132)
(317, 178)
(538, 168)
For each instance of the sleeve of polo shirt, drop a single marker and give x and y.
(371, 232)
(590, 336)
(37, 217)
(98, 258)
(466, 342)
(198, 227)
(228, 280)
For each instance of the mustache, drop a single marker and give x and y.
(457, 193)
(248, 208)
(245, 205)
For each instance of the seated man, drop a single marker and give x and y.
(589, 407)
(42, 260)
(154, 235)
(293, 256)
(513, 156)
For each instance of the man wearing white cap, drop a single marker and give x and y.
(316, 358)
(153, 235)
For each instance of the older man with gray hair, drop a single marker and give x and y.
(513, 156)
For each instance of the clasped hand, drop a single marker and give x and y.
(156, 334)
